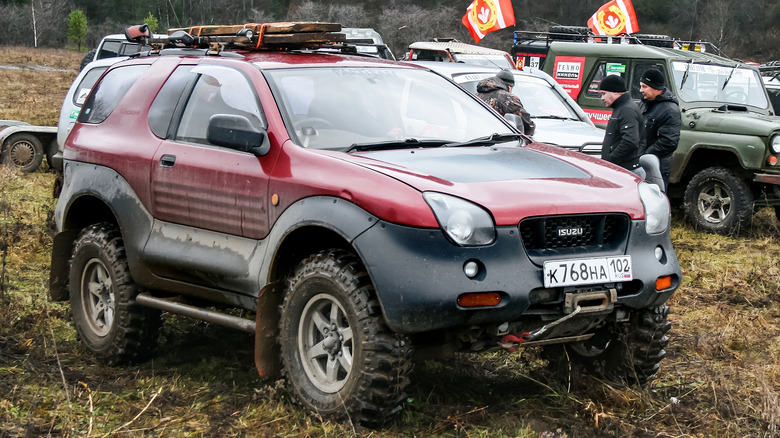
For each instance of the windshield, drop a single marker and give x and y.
(539, 98)
(717, 83)
(334, 108)
(499, 61)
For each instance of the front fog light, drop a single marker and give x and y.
(659, 253)
(471, 269)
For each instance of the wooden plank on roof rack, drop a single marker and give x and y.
(275, 28)
(305, 37)
(311, 26)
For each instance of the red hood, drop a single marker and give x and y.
(513, 183)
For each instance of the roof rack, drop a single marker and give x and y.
(585, 35)
(250, 36)
(771, 69)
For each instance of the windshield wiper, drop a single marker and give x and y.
(396, 144)
(685, 75)
(729, 78)
(489, 140)
(554, 117)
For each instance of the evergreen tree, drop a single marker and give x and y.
(77, 28)
(152, 22)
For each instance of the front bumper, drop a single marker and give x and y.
(418, 275)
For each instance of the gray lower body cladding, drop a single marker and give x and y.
(419, 275)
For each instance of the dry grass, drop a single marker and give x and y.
(721, 376)
(34, 82)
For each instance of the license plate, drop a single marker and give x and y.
(578, 272)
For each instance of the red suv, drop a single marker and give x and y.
(358, 207)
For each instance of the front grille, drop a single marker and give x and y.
(561, 232)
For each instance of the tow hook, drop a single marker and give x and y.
(511, 342)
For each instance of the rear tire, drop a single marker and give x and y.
(718, 201)
(339, 358)
(102, 297)
(24, 152)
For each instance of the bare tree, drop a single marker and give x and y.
(718, 23)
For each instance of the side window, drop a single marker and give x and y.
(636, 74)
(218, 90)
(774, 97)
(164, 105)
(430, 55)
(109, 49)
(86, 84)
(129, 49)
(602, 70)
(109, 92)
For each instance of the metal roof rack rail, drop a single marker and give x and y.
(584, 34)
(771, 69)
(251, 36)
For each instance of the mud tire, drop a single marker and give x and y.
(718, 201)
(332, 289)
(108, 321)
(626, 354)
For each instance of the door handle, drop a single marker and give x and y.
(167, 160)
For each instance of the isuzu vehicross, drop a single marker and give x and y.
(359, 207)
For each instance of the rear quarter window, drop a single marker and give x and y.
(86, 84)
(109, 92)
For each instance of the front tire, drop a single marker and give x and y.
(339, 358)
(102, 297)
(718, 201)
(629, 353)
(24, 152)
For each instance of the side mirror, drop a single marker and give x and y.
(515, 120)
(237, 132)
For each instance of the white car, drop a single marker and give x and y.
(559, 120)
(75, 98)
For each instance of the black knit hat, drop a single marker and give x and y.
(506, 76)
(613, 83)
(654, 78)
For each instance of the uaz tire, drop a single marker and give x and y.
(339, 359)
(718, 201)
(102, 297)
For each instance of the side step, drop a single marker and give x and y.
(234, 322)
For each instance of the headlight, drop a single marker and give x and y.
(464, 222)
(775, 144)
(657, 214)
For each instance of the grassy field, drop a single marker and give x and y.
(721, 377)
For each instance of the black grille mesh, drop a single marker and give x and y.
(558, 232)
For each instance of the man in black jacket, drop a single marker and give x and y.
(623, 138)
(662, 119)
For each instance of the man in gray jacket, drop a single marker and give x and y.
(623, 137)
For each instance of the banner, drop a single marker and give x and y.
(485, 16)
(614, 18)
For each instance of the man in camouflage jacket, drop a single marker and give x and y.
(497, 92)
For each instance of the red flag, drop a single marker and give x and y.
(485, 16)
(614, 18)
